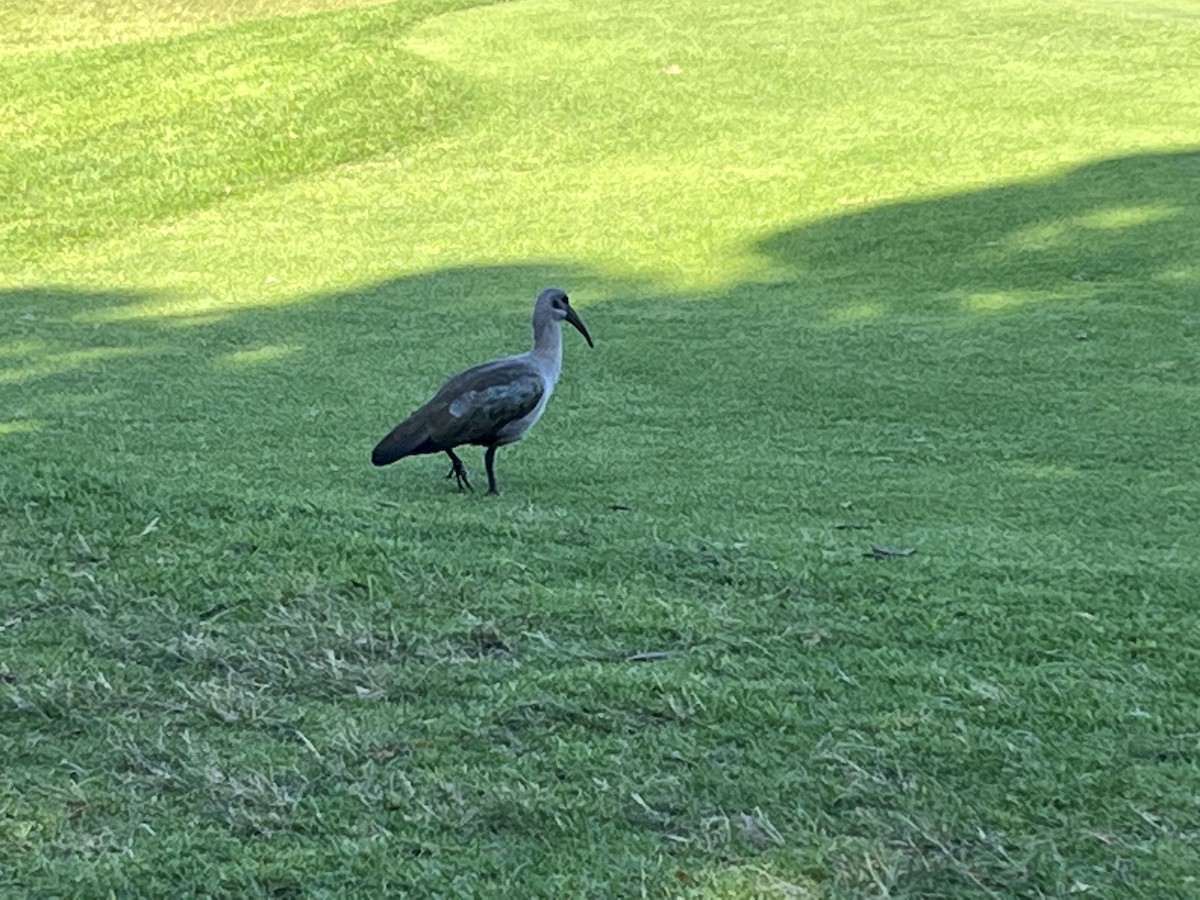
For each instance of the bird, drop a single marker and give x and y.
(491, 404)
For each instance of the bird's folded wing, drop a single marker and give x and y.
(475, 405)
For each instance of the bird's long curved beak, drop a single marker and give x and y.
(573, 318)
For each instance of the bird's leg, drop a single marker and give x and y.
(489, 460)
(458, 471)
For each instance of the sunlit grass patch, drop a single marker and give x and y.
(29, 25)
(44, 364)
(183, 122)
(256, 355)
(21, 426)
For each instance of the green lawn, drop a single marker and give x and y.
(911, 275)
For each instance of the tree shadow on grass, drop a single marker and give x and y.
(280, 400)
(1080, 235)
(967, 314)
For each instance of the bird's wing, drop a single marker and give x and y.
(474, 405)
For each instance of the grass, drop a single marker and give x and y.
(912, 276)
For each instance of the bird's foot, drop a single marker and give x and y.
(458, 472)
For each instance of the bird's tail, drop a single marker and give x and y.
(404, 440)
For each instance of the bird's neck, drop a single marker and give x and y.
(547, 346)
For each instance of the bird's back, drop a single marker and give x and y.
(482, 405)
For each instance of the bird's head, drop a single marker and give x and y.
(554, 303)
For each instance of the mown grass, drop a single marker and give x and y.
(103, 138)
(913, 277)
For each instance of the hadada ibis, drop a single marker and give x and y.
(492, 404)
